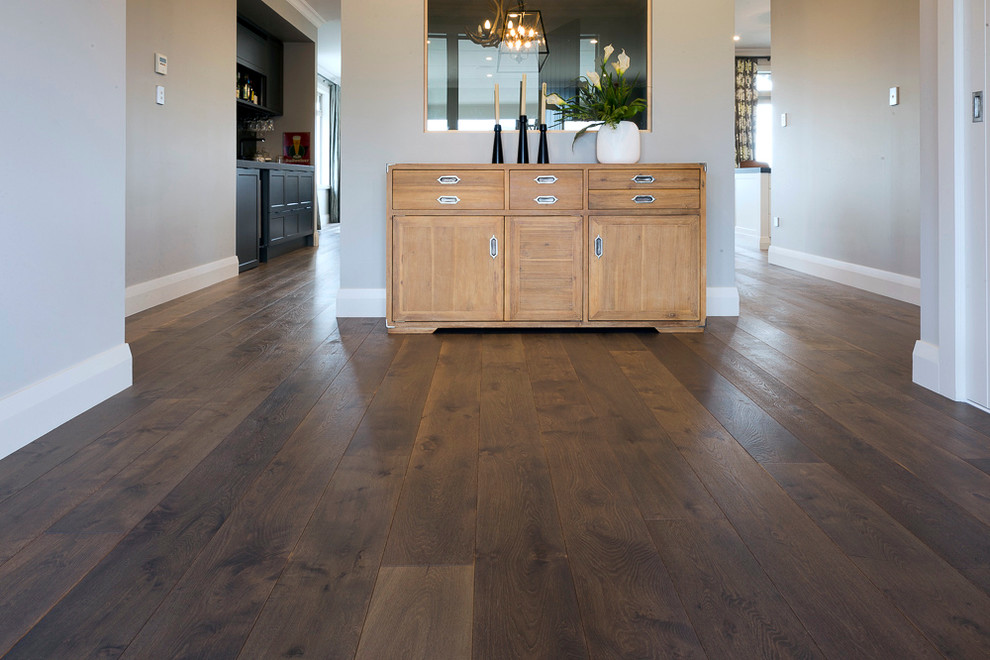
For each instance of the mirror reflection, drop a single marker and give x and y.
(474, 45)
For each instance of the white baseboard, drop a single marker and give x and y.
(361, 303)
(33, 411)
(924, 365)
(722, 301)
(370, 303)
(764, 243)
(145, 295)
(885, 283)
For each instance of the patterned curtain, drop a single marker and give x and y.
(745, 108)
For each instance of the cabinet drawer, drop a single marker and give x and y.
(447, 189)
(641, 178)
(546, 189)
(646, 199)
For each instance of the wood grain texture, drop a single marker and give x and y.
(419, 612)
(544, 268)
(524, 601)
(434, 522)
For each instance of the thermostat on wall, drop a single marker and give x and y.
(161, 64)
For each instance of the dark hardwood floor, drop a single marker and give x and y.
(282, 483)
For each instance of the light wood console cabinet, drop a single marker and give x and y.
(546, 246)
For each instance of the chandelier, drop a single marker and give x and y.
(517, 33)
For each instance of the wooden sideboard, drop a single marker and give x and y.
(545, 246)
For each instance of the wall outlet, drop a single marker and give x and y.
(895, 95)
(160, 95)
(783, 119)
(776, 221)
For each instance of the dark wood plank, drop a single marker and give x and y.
(108, 607)
(845, 615)
(940, 523)
(663, 483)
(952, 612)
(419, 612)
(212, 608)
(628, 603)
(318, 605)
(735, 608)
(981, 464)
(435, 519)
(524, 600)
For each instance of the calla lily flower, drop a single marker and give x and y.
(622, 64)
(555, 100)
(607, 53)
(594, 79)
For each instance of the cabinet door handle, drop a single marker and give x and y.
(493, 247)
(546, 178)
(448, 199)
(598, 246)
(644, 199)
(545, 199)
(643, 178)
(449, 179)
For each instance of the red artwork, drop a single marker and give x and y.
(295, 148)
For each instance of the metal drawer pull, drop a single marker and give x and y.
(448, 199)
(546, 178)
(643, 178)
(598, 246)
(545, 199)
(493, 247)
(449, 179)
(644, 199)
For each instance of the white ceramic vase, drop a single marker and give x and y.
(619, 144)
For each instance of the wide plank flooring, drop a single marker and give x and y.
(281, 483)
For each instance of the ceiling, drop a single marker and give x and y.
(752, 26)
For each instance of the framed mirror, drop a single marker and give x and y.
(474, 45)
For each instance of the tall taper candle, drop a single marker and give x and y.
(543, 105)
(496, 103)
(522, 95)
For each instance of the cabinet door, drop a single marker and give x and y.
(447, 268)
(248, 217)
(544, 268)
(644, 268)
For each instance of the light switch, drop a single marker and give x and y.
(783, 119)
(161, 64)
(895, 95)
(160, 95)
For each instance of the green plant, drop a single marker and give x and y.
(603, 98)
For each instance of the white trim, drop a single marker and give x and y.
(33, 411)
(722, 301)
(308, 12)
(361, 303)
(924, 365)
(140, 297)
(748, 237)
(885, 283)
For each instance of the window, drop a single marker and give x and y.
(763, 132)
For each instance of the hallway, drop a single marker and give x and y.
(281, 483)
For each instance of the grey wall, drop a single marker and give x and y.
(62, 197)
(298, 93)
(382, 105)
(846, 170)
(180, 156)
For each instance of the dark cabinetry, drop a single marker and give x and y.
(248, 217)
(259, 64)
(290, 207)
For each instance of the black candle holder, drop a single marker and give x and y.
(497, 156)
(522, 156)
(543, 153)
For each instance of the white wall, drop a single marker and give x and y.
(382, 122)
(846, 168)
(62, 212)
(180, 156)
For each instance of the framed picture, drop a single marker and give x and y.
(295, 148)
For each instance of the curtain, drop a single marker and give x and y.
(746, 98)
(333, 203)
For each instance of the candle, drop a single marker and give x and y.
(522, 96)
(543, 104)
(496, 103)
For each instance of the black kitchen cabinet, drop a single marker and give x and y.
(284, 197)
(248, 217)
